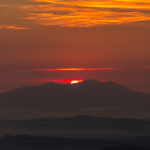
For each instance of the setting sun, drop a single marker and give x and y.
(75, 81)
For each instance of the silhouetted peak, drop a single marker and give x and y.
(106, 86)
(50, 84)
(90, 82)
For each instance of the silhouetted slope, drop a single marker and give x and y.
(89, 97)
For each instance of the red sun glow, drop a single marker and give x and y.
(73, 81)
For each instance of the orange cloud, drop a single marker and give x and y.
(12, 27)
(102, 3)
(81, 13)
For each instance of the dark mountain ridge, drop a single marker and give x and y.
(89, 97)
(111, 86)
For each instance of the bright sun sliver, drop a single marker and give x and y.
(75, 81)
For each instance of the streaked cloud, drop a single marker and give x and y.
(12, 27)
(79, 13)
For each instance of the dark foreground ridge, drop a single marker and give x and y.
(25, 142)
(78, 127)
(125, 147)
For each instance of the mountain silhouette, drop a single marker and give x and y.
(90, 97)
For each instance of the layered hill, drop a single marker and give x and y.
(78, 127)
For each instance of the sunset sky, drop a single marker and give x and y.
(58, 40)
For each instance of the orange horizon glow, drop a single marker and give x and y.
(83, 69)
(74, 69)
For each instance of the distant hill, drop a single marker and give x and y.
(90, 97)
(78, 126)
